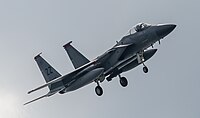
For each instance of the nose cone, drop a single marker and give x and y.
(164, 30)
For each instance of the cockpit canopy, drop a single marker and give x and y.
(141, 26)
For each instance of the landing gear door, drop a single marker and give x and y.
(140, 58)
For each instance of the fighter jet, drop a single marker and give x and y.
(131, 51)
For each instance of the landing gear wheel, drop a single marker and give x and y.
(98, 90)
(123, 81)
(145, 69)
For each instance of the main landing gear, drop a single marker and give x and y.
(123, 81)
(98, 89)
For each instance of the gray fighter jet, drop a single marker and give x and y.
(131, 51)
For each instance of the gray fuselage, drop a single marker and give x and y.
(124, 54)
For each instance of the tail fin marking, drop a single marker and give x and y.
(48, 72)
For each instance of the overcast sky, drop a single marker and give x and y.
(28, 27)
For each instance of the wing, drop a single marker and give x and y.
(120, 59)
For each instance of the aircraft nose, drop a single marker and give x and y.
(164, 30)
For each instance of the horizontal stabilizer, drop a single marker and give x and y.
(36, 99)
(47, 95)
(45, 85)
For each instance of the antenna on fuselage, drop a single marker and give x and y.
(130, 31)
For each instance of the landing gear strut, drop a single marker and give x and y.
(123, 81)
(140, 58)
(98, 89)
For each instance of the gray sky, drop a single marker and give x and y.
(28, 27)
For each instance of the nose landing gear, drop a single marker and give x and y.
(145, 69)
(140, 58)
(98, 89)
(123, 81)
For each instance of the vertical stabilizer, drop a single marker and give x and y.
(75, 56)
(48, 72)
